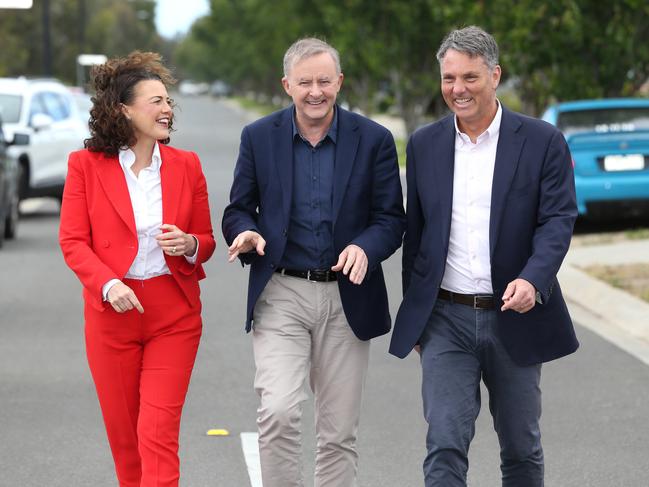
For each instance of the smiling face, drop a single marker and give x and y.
(313, 84)
(469, 90)
(150, 111)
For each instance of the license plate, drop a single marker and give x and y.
(627, 162)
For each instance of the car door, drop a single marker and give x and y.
(42, 150)
(63, 134)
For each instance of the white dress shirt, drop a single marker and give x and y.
(468, 264)
(145, 191)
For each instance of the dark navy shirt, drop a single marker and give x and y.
(310, 239)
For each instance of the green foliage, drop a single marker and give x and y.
(110, 27)
(551, 50)
(571, 49)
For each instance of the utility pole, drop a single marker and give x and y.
(81, 33)
(47, 43)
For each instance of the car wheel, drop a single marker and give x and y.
(11, 222)
(23, 180)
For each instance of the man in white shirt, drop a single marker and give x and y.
(491, 207)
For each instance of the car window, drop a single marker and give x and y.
(57, 106)
(10, 106)
(37, 106)
(604, 120)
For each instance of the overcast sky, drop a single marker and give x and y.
(176, 16)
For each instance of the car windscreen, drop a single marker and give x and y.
(604, 120)
(10, 108)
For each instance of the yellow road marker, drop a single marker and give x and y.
(218, 432)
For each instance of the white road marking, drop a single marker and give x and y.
(250, 446)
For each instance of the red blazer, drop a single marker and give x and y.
(97, 231)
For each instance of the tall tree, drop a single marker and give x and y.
(563, 49)
(111, 27)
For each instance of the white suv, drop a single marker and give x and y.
(44, 124)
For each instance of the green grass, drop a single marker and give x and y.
(632, 278)
(637, 234)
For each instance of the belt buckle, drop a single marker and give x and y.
(476, 301)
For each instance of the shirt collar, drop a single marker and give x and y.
(127, 158)
(331, 133)
(492, 131)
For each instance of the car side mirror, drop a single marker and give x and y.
(20, 139)
(41, 121)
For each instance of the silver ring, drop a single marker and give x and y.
(173, 251)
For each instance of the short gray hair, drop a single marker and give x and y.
(473, 41)
(307, 47)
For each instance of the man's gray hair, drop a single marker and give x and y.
(473, 41)
(307, 47)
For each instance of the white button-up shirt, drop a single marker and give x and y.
(468, 264)
(145, 191)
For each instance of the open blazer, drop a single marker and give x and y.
(533, 210)
(97, 232)
(367, 207)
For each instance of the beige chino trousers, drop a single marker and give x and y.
(300, 328)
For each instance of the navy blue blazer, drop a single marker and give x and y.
(367, 207)
(533, 210)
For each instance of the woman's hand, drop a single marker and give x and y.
(122, 298)
(174, 241)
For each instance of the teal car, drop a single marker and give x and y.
(609, 144)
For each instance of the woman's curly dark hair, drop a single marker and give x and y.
(114, 84)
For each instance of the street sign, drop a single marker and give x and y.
(90, 59)
(87, 60)
(16, 3)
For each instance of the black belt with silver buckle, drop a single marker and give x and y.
(317, 275)
(476, 301)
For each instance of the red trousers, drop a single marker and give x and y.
(141, 365)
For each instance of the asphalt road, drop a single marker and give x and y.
(596, 402)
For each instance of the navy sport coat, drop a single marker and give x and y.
(367, 207)
(533, 210)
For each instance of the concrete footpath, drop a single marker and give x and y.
(616, 315)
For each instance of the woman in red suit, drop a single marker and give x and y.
(135, 228)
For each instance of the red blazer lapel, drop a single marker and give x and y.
(172, 176)
(112, 180)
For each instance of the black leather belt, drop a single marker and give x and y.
(476, 301)
(317, 275)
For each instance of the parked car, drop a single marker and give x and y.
(9, 180)
(84, 104)
(609, 144)
(192, 88)
(43, 124)
(219, 89)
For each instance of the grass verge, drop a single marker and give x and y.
(632, 278)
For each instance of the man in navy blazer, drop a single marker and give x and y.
(315, 207)
(490, 212)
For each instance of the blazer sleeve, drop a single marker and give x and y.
(241, 214)
(556, 217)
(201, 223)
(75, 231)
(384, 233)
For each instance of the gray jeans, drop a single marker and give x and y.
(459, 347)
